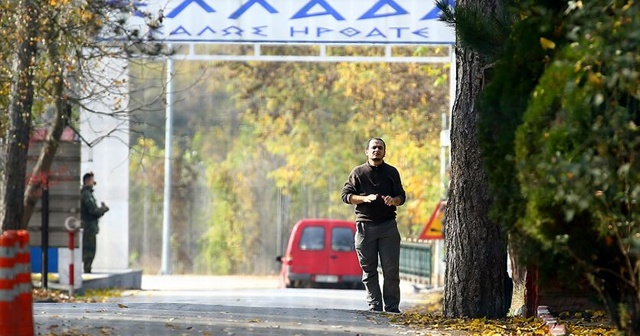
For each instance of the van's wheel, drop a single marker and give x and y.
(290, 284)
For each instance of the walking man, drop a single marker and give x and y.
(375, 189)
(90, 213)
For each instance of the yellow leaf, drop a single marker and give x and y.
(547, 44)
(595, 79)
(578, 66)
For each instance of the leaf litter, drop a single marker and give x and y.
(428, 316)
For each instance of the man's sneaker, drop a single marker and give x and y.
(375, 309)
(394, 311)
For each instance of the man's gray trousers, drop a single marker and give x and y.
(381, 240)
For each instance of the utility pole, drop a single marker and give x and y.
(166, 214)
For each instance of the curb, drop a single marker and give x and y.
(555, 328)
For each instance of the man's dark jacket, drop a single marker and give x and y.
(382, 180)
(90, 212)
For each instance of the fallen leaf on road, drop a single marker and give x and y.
(171, 325)
(106, 331)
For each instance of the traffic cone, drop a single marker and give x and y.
(23, 285)
(8, 243)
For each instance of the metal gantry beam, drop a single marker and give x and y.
(322, 55)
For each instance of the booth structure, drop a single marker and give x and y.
(101, 146)
(60, 202)
(60, 252)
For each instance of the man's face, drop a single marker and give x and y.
(375, 151)
(91, 182)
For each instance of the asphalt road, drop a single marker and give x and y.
(177, 305)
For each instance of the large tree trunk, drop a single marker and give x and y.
(19, 128)
(475, 277)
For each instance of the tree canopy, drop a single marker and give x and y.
(49, 49)
(282, 139)
(560, 139)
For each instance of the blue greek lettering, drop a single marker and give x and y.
(350, 32)
(258, 31)
(435, 12)
(399, 30)
(186, 3)
(424, 32)
(180, 31)
(207, 29)
(322, 30)
(376, 32)
(304, 11)
(231, 30)
(293, 31)
(248, 5)
(371, 13)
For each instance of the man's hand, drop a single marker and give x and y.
(391, 201)
(359, 199)
(370, 198)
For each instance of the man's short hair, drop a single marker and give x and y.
(86, 177)
(372, 139)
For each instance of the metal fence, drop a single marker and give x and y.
(416, 261)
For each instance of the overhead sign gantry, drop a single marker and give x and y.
(299, 21)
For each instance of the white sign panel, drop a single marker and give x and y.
(300, 21)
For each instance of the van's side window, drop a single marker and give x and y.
(312, 238)
(342, 239)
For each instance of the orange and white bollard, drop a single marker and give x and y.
(23, 286)
(72, 225)
(8, 244)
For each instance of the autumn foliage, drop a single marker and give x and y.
(567, 80)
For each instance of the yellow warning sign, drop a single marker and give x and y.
(433, 229)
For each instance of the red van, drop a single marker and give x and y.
(321, 252)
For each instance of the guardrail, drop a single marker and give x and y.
(416, 261)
